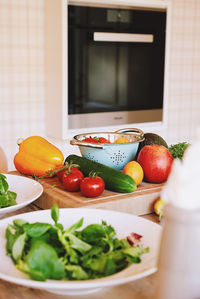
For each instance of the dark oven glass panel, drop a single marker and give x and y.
(108, 74)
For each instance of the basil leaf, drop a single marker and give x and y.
(3, 201)
(135, 251)
(75, 226)
(7, 198)
(19, 222)
(76, 272)
(10, 237)
(3, 184)
(55, 213)
(37, 229)
(18, 247)
(93, 233)
(11, 197)
(43, 258)
(78, 244)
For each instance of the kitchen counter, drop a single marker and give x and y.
(144, 288)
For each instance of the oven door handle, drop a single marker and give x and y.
(123, 37)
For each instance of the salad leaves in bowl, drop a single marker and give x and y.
(7, 197)
(17, 192)
(71, 251)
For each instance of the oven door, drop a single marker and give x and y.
(115, 67)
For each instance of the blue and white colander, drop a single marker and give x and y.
(115, 155)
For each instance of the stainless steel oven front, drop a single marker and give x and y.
(115, 66)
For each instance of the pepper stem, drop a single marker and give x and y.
(20, 140)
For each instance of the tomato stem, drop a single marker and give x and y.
(92, 174)
(53, 172)
(97, 139)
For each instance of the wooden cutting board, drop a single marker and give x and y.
(139, 202)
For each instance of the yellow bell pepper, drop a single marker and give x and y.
(37, 156)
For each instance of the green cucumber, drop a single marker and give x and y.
(115, 180)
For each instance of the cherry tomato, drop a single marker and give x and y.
(90, 139)
(62, 172)
(92, 186)
(71, 181)
(96, 140)
(103, 140)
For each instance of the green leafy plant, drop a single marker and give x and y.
(7, 197)
(46, 251)
(177, 150)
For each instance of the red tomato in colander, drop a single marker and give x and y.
(103, 140)
(96, 140)
(90, 139)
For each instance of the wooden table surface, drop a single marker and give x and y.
(144, 288)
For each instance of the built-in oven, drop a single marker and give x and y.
(115, 66)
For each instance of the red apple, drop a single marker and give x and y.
(156, 161)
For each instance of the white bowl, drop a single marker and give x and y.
(27, 191)
(123, 223)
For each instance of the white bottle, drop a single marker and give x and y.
(179, 260)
